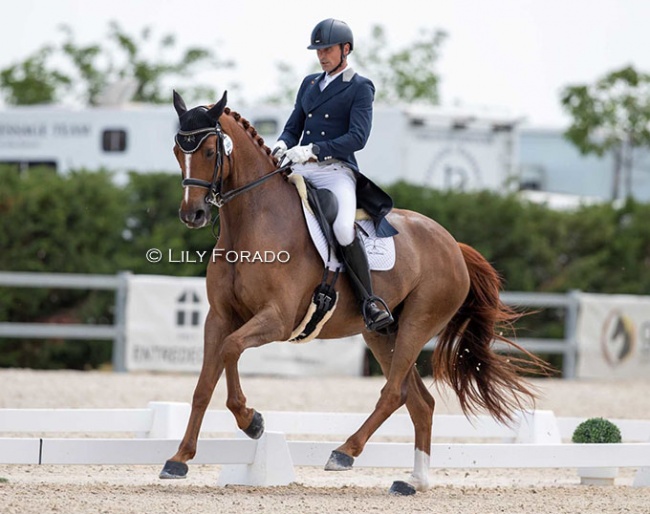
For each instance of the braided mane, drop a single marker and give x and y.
(246, 125)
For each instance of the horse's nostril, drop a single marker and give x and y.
(200, 214)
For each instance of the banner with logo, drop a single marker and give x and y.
(613, 336)
(164, 332)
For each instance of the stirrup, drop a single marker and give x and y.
(380, 324)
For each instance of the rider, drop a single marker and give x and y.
(331, 120)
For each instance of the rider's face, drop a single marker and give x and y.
(330, 57)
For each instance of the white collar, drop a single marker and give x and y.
(329, 78)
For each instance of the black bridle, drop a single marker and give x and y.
(190, 141)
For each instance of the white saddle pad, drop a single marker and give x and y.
(380, 250)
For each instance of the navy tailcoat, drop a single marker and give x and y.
(338, 119)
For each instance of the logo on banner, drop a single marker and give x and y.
(188, 309)
(618, 338)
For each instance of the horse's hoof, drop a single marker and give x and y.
(174, 469)
(256, 428)
(339, 461)
(400, 488)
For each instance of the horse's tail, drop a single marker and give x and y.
(464, 357)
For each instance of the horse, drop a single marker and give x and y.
(438, 287)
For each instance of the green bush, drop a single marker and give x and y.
(596, 430)
(84, 222)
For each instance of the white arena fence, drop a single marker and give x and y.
(534, 441)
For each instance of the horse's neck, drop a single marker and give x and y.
(265, 213)
(263, 210)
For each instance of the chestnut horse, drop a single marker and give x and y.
(437, 287)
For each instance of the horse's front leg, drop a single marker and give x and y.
(211, 370)
(261, 329)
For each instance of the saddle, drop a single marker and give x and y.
(320, 208)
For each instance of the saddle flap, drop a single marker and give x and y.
(325, 207)
(323, 201)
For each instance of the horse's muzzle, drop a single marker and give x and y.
(194, 218)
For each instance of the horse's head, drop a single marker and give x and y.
(199, 151)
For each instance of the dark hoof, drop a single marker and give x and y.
(256, 428)
(174, 469)
(400, 488)
(339, 461)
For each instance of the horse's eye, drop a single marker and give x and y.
(210, 153)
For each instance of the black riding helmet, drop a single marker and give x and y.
(331, 32)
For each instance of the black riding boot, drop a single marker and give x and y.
(356, 261)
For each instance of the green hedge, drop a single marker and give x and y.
(83, 222)
(597, 249)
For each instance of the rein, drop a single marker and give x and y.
(216, 196)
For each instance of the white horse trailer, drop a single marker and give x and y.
(445, 149)
(138, 139)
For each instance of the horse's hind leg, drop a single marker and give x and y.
(416, 328)
(176, 467)
(420, 405)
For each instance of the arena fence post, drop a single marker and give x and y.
(119, 321)
(538, 427)
(169, 419)
(272, 465)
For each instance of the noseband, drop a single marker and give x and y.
(190, 141)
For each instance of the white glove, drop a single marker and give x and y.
(279, 149)
(300, 154)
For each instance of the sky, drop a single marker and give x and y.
(507, 55)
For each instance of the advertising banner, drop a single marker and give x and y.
(164, 332)
(613, 336)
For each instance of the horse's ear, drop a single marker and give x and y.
(179, 104)
(217, 109)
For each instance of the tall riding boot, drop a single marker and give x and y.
(356, 261)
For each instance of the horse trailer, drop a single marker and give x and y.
(427, 146)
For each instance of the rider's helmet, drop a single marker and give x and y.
(331, 32)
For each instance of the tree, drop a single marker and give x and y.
(33, 81)
(406, 75)
(89, 69)
(611, 116)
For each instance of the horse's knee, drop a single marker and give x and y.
(231, 351)
(391, 400)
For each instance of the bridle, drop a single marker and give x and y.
(190, 141)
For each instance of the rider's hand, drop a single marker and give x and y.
(300, 154)
(279, 149)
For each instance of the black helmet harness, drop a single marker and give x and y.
(343, 58)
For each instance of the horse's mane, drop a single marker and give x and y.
(248, 127)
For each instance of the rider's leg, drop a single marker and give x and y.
(342, 183)
(356, 262)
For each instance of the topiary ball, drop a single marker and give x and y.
(596, 430)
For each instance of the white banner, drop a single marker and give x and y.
(613, 336)
(164, 332)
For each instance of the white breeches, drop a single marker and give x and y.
(340, 180)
